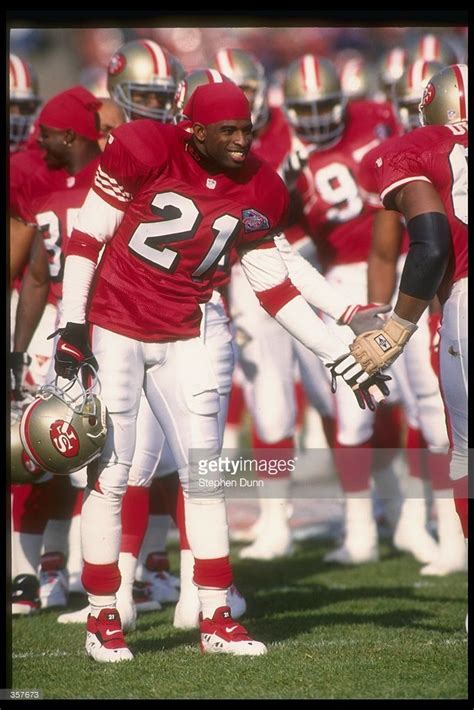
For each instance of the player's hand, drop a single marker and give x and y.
(19, 363)
(72, 350)
(377, 349)
(363, 318)
(368, 389)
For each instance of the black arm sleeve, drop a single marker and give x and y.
(428, 256)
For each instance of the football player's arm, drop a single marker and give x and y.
(320, 294)
(21, 241)
(33, 295)
(268, 276)
(387, 234)
(31, 305)
(425, 266)
(96, 224)
(430, 247)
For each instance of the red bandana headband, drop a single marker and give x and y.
(211, 103)
(73, 109)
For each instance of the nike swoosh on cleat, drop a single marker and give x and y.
(108, 632)
(229, 629)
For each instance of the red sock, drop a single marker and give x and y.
(236, 405)
(415, 446)
(102, 580)
(134, 518)
(274, 451)
(30, 507)
(214, 574)
(461, 501)
(354, 464)
(180, 521)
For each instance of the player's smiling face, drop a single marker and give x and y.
(227, 142)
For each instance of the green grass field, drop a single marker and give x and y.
(375, 631)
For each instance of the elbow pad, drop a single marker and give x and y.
(428, 256)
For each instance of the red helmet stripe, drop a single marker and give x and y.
(310, 71)
(21, 77)
(462, 91)
(160, 62)
(224, 61)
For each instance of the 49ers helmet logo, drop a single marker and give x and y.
(116, 64)
(428, 94)
(64, 438)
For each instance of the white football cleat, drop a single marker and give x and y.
(186, 613)
(163, 588)
(361, 539)
(75, 617)
(353, 554)
(104, 640)
(54, 588)
(411, 534)
(222, 634)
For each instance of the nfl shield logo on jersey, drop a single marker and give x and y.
(254, 220)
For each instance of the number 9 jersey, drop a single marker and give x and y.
(178, 221)
(334, 211)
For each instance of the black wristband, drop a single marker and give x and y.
(428, 256)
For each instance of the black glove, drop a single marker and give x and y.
(72, 350)
(19, 363)
(363, 385)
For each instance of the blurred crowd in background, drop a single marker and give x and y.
(63, 57)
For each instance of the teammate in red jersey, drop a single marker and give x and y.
(167, 205)
(426, 419)
(423, 175)
(46, 202)
(337, 134)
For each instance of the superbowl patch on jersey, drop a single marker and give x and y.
(254, 220)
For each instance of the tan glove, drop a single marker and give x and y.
(377, 349)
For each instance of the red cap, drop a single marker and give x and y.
(211, 103)
(74, 109)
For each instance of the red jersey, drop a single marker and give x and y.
(179, 220)
(51, 199)
(336, 216)
(438, 155)
(369, 189)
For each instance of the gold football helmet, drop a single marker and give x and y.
(24, 100)
(445, 98)
(22, 468)
(431, 48)
(186, 87)
(142, 77)
(357, 80)
(408, 90)
(313, 100)
(64, 428)
(390, 68)
(247, 72)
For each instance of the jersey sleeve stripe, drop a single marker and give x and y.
(399, 183)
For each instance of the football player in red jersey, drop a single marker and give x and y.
(426, 419)
(46, 202)
(423, 175)
(337, 135)
(167, 204)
